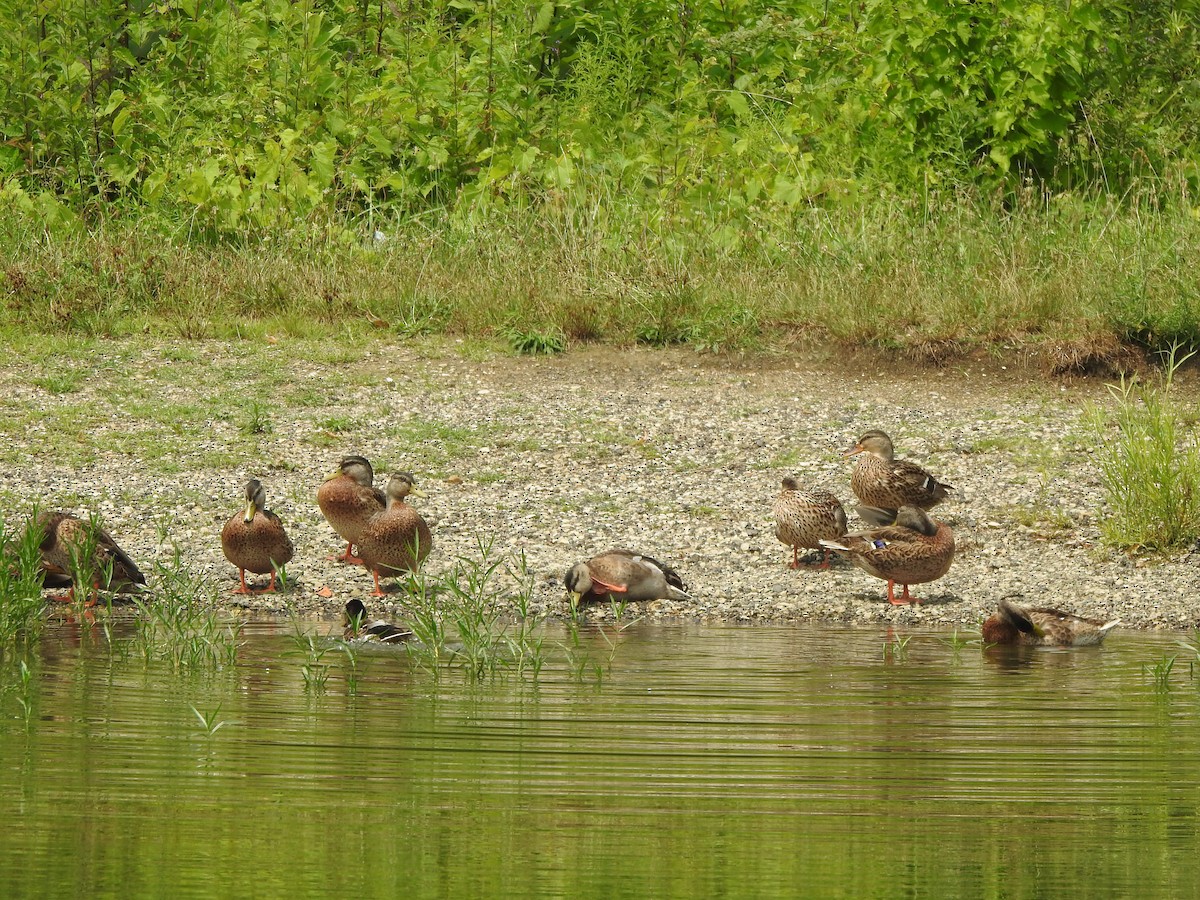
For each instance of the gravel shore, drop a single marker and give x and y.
(662, 451)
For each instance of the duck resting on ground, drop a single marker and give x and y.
(348, 499)
(879, 480)
(357, 628)
(623, 575)
(254, 540)
(1015, 624)
(71, 546)
(914, 549)
(804, 517)
(396, 540)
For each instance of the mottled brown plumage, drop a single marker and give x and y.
(882, 481)
(348, 499)
(623, 575)
(357, 628)
(804, 517)
(1014, 624)
(397, 539)
(254, 539)
(64, 547)
(913, 550)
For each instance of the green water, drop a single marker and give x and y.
(799, 761)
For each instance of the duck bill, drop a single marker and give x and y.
(249, 511)
(416, 492)
(575, 595)
(852, 451)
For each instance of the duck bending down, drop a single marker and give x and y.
(254, 539)
(1016, 624)
(357, 628)
(623, 575)
(804, 517)
(71, 547)
(914, 549)
(396, 540)
(348, 499)
(880, 480)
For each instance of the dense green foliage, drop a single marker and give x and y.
(236, 114)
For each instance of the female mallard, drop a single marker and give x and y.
(880, 481)
(913, 550)
(623, 575)
(254, 539)
(804, 518)
(357, 628)
(348, 499)
(1013, 624)
(397, 539)
(70, 545)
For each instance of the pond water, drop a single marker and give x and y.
(700, 761)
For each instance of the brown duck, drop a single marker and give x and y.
(357, 628)
(623, 575)
(348, 499)
(68, 541)
(254, 539)
(397, 539)
(1014, 624)
(913, 550)
(879, 480)
(804, 517)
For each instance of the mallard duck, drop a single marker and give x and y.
(913, 550)
(397, 539)
(879, 480)
(348, 499)
(254, 539)
(66, 543)
(803, 518)
(1013, 624)
(623, 575)
(357, 628)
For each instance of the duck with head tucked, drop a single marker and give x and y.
(348, 499)
(1015, 624)
(623, 575)
(70, 547)
(880, 480)
(803, 518)
(357, 628)
(914, 549)
(254, 540)
(395, 540)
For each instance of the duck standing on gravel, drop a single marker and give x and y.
(69, 543)
(804, 517)
(348, 499)
(396, 540)
(357, 628)
(881, 481)
(254, 540)
(1014, 624)
(623, 575)
(914, 549)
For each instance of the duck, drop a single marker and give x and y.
(66, 543)
(623, 575)
(804, 517)
(254, 540)
(357, 628)
(396, 540)
(348, 499)
(881, 481)
(1015, 624)
(913, 549)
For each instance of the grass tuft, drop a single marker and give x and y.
(1150, 465)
